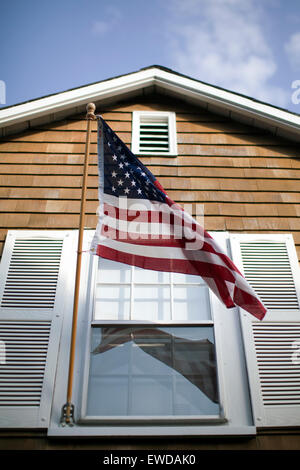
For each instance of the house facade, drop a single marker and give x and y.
(233, 164)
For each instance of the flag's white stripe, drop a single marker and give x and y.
(162, 252)
(243, 284)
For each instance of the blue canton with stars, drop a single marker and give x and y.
(124, 174)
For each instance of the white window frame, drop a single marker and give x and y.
(235, 417)
(171, 120)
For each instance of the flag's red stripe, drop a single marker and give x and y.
(249, 303)
(159, 186)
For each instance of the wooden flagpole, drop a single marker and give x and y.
(68, 408)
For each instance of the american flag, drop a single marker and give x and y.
(141, 226)
(193, 359)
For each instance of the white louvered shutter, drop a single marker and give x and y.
(272, 346)
(154, 133)
(35, 278)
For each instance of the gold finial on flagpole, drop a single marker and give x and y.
(90, 111)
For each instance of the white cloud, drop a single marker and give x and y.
(223, 43)
(292, 48)
(111, 16)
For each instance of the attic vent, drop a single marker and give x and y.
(22, 372)
(277, 346)
(268, 270)
(33, 274)
(154, 133)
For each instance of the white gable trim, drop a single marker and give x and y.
(184, 87)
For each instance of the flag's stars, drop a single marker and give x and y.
(133, 183)
(123, 156)
(126, 163)
(126, 190)
(114, 174)
(121, 165)
(143, 174)
(120, 147)
(139, 191)
(114, 157)
(108, 143)
(120, 182)
(127, 175)
(113, 189)
(115, 139)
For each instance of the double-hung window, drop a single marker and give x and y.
(152, 348)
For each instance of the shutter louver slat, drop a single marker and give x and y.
(279, 374)
(21, 376)
(31, 261)
(260, 262)
(154, 134)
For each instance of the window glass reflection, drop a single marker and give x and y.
(148, 371)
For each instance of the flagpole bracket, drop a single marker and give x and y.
(67, 415)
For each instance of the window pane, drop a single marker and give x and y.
(151, 303)
(187, 279)
(112, 303)
(148, 371)
(108, 392)
(149, 276)
(191, 303)
(113, 272)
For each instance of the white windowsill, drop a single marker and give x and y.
(158, 431)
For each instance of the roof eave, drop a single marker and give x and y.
(255, 112)
(73, 98)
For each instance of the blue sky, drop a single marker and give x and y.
(248, 46)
